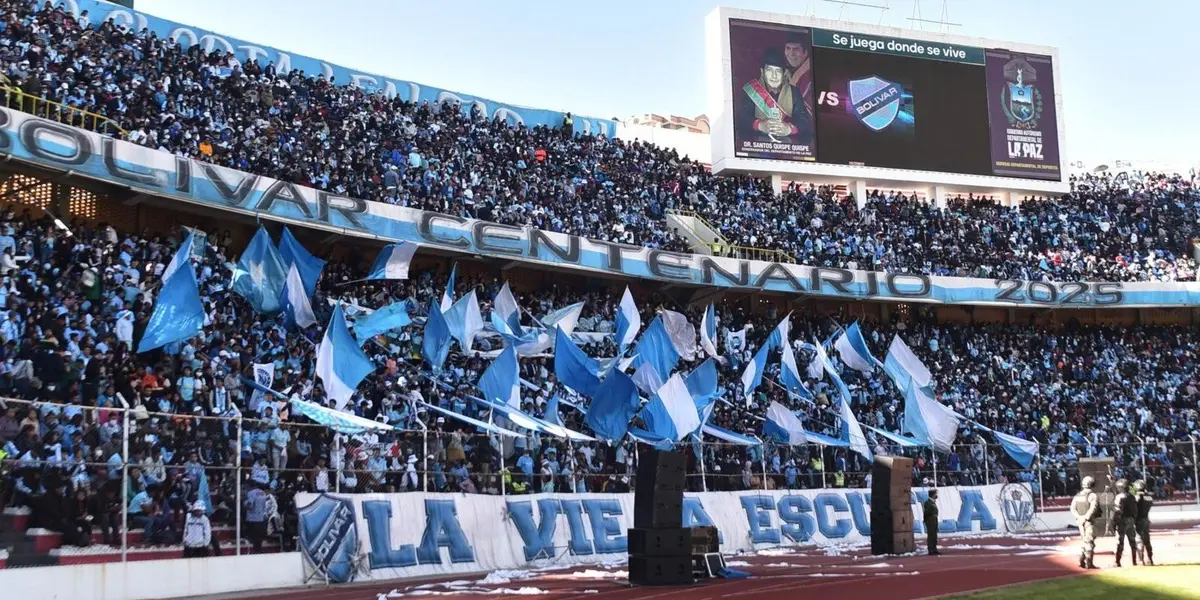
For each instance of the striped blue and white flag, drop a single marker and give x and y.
(708, 332)
(629, 322)
(671, 414)
(852, 349)
(393, 261)
(297, 309)
(341, 364)
(783, 426)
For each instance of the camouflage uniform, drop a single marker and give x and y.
(1144, 503)
(1084, 507)
(1124, 517)
(931, 523)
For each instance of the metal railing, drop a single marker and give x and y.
(695, 215)
(17, 99)
(218, 459)
(747, 252)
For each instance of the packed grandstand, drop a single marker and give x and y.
(79, 293)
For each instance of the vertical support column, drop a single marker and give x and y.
(777, 184)
(858, 187)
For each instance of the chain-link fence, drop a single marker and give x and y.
(68, 490)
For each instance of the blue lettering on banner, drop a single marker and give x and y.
(758, 516)
(796, 514)
(442, 530)
(538, 538)
(187, 36)
(581, 545)
(151, 172)
(379, 529)
(826, 503)
(694, 515)
(974, 509)
(858, 511)
(606, 529)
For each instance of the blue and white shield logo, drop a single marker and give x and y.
(1016, 501)
(875, 101)
(1020, 101)
(329, 537)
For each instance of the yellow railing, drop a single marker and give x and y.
(38, 106)
(695, 215)
(747, 252)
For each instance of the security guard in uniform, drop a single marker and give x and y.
(931, 523)
(1145, 501)
(1124, 521)
(1084, 507)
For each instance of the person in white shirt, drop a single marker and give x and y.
(197, 532)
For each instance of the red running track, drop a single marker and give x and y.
(965, 565)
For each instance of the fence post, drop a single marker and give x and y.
(987, 479)
(237, 492)
(703, 472)
(503, 488)
(337, 451)
(1041, 484)
(762, 457)
(1195, 471)
(124, 478)
(821, 454)
(424, 457)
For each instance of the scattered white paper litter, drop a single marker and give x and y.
(737, 563)
(594, 574)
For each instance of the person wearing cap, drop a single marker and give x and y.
(197, 531)
(930, 517)
(1084, 507)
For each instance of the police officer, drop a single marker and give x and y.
(1145, 502)
(931, 523)
(1124, 518)
(1084, 507)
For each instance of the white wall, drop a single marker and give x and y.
(695, 146)
(155, 578)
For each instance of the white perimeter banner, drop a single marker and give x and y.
(350, 537)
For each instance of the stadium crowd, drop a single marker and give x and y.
(330, 135)
(75, 305)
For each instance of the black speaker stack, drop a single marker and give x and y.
(660, 548)
(891, 506)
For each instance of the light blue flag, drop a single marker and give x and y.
(573, 368)
(629, 321)
(613, 407)
(297, 310)
(506, 309)
(203, 494)
(702, 384)
(852, 348)
(1021, 450)
(656, 348)
(178, 311)
(783, 426)
(671, 414)
(392, 316)
(464, 320)
(393, 261)
(260, 274)
(500, 381)
(448, 295)
(752, 376)
(551, 413)
(852, 433)
(341, 364)
(435, 345)
(291, 252)
(708, 332)
(339, 421)
(927, 420)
